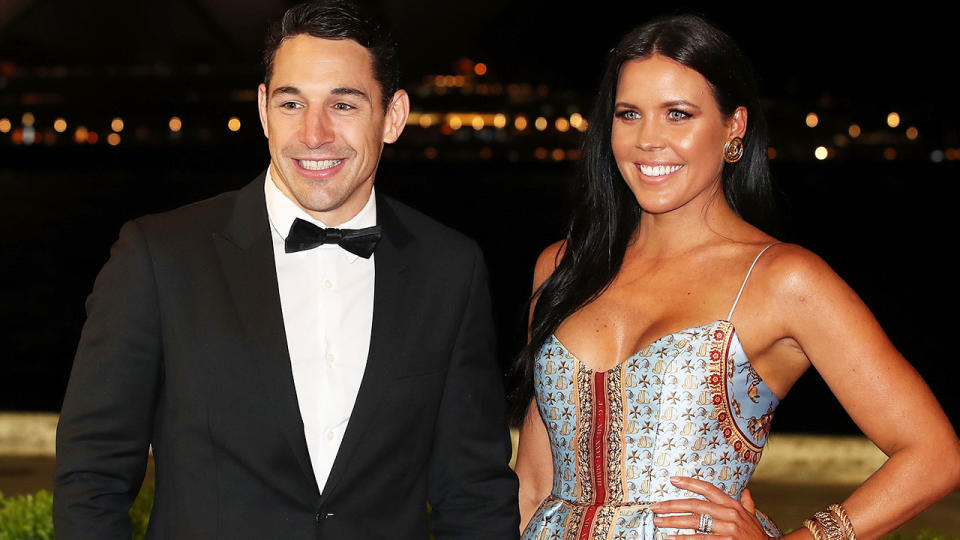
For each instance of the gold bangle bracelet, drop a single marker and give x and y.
(815, 529)
(841, 513)
(831, 527)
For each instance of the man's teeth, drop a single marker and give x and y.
(319, 165)
(659, 170)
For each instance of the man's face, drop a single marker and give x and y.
(325, 124)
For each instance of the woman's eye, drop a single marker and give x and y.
(628, 115)
(678, 115)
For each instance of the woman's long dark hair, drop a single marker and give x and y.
(607, 215)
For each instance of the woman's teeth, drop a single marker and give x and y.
(658, 170)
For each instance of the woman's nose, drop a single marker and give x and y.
(649, 136)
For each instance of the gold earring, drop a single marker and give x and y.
(733, 150)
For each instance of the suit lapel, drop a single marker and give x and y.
(391, 259)
(246, 252)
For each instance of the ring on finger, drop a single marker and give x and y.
(706, 524)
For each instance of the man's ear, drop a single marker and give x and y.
(262, 106)
(396, 116)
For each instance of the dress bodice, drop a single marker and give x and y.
(689, 404)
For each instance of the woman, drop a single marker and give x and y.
(635, 429)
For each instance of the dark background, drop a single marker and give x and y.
(885, 225)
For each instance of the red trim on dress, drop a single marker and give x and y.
(722, 336)
(599, 470)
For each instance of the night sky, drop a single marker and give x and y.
(886, 228)
(800, 50)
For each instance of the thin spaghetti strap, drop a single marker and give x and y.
(744, 284)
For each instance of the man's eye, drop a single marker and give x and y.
(343, 106)
(290, 105)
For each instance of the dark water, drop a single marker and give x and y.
(887, 228)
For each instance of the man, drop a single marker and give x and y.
(288, 389)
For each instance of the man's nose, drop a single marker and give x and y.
(317, 130)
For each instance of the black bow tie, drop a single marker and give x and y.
(305, 235)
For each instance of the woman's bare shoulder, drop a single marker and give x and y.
(792, 274)
(547, 262)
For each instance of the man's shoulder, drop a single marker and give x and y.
(209, 215)
(427, 229)
(195, 214)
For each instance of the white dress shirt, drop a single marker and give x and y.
(326, 294)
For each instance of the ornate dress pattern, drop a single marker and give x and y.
(688, 404)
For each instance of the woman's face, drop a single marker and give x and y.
(668, 134)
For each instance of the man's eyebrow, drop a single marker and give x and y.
(338, 91)
(349, 91)
(285, 90)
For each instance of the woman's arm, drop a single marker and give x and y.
(877, 387)
(534, 465)
(809, 306)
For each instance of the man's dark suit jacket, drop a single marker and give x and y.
(184, 348)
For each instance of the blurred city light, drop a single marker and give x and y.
(80, 135)
(854, 130)
(893, 119)
(233, 124)
(540, 123)
(912, 133)
(113, 139)
(500, 121)
(117, 125)
(812, 120)
(576, 120)
(562, 124)
(520, 123)
(480, 68)
(821, 153)
(477, 122)
(175, 124)
(59, 125)
(890, 153)
(5, 125)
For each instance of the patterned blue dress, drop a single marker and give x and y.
(688, 404)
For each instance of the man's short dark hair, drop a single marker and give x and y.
(339, 19)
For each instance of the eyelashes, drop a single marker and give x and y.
(676, 115)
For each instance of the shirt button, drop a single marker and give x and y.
(327, 284)
(330, 435)
(330, 357)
